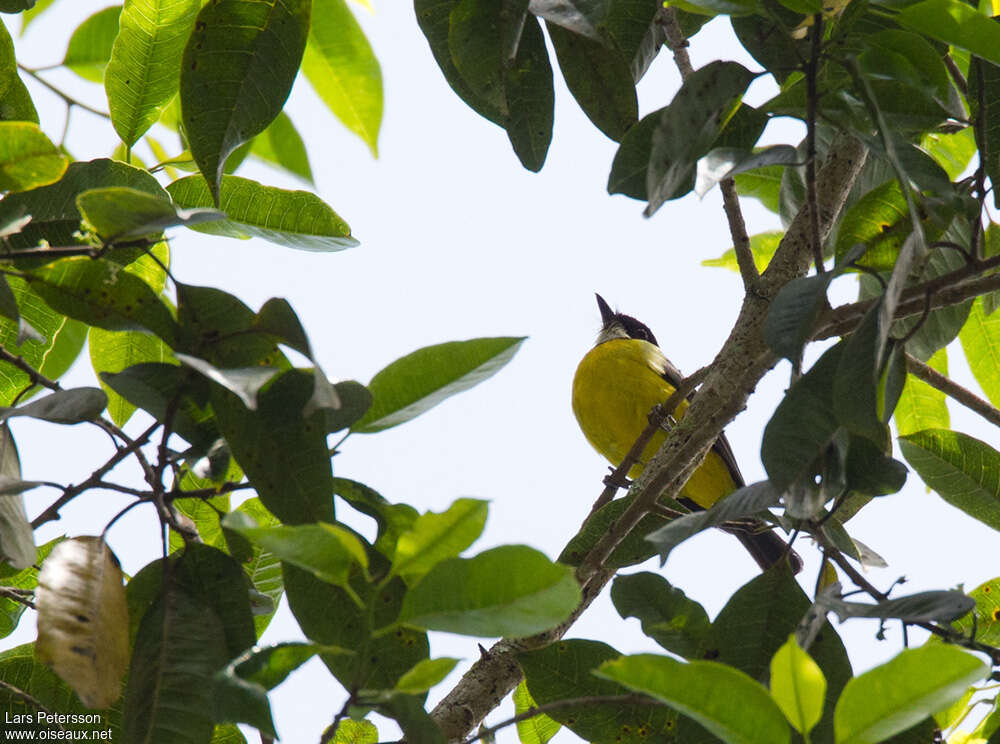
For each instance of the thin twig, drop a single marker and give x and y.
(20, 596)
(537, 710)
(36, 377)
(952, 389)
(67, 98)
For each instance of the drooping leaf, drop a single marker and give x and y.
(422, 379)
(743, 502)
(923, 607)
(530, 97)
(25, 579)
(689, 126)
(727, 162)
(725, 701)
(892, 697)
(565, 670)
(83, 620)
(233, 85)
(509, 591)
(179, 647)
(963, 470)
(793, 313)
(296, 219)
(327, 551)
(668, 616)
(112, 352)
(285, 455)
(141, 76)
(340, 65)
(90, 45)
(243, 382)
(17, 541)
(600, 80)
(27, 158)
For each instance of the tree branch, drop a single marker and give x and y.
(952, 389)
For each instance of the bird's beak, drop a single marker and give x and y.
(607, 314)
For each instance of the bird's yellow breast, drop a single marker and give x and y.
(615, 387)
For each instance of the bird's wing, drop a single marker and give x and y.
(722, 448)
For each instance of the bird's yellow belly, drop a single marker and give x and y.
(614, 390)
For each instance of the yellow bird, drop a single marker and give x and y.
(616, 386)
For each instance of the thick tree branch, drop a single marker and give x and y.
(952, 389)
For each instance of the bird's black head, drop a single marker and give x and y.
(629, 326)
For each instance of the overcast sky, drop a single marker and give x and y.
(458, 241)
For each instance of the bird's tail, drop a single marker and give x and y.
(766, 547)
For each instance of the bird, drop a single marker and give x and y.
(616, 386)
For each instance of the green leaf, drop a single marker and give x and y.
(33, 12)
(921, 406)
(628, 170)
(941, 325)
(113, 351)
(281, 145)
(564, 670)
(964, 471)
(285, 456)
(632, 550)
(62, 407)
(243, 382)
(727, 162)
(420, 380)
(728, 703)
(530, 97)
(9, 309)
(24, 578)
(121, 213)
(984, 103)
(923, 607)
(508, 591)
(537, 729)
(803, 425)
(152, 386)
(434, 18)
(65, 338)
(296, 219)
(793, 314)
(985, 617)
(434, 537)
(952, 151)
(327, 551)
(798, 686)
(892, 697)
(328, 615)
(54, 214)
(141, 76)
(234, 84)
(668, 616)
(954, 22)
(880, 221)
(340, 65)
(90, 45)
(424, 675)
(600, 79)
(99, 293)
(263, 567)
(350, 731)
(240, 693)
(763, 184)
(27, 158)
(743, 502)
(762, 245)
(392, 519)
(980, 337)
(179, 647)
(689, 126)
(355, 400)
(15, 100)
